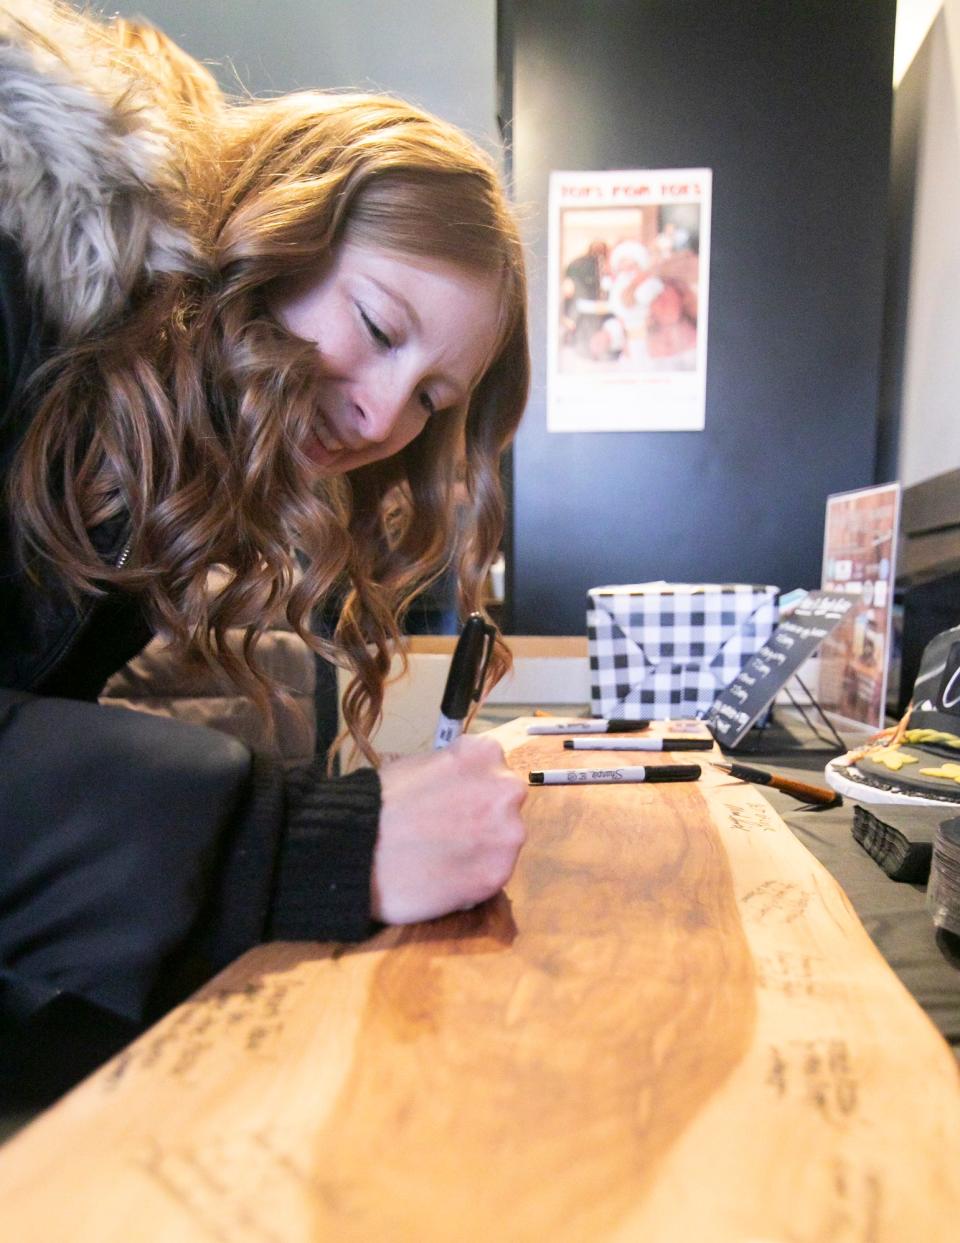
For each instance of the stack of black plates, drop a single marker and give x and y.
(943, 892)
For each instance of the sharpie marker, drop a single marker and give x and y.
(465, 679)
(594, 726)
(638, 744)
(609, 776)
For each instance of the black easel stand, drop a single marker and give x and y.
(811, 725)
(820, 712)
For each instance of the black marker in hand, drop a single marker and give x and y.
(465, 679)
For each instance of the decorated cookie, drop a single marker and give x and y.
(893, 758)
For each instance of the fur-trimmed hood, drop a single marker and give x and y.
(88, 186)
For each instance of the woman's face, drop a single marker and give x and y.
(401, 339)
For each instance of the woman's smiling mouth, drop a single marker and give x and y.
(322, 446)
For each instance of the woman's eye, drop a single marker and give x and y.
(376, 332)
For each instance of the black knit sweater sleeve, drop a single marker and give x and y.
(321, 882)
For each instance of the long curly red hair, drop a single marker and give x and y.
(188, 410)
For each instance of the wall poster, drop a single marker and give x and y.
(859, 555)
(629, 262)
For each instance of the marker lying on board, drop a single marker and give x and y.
(614, 776)
(595, 725)
(796, 789)
(638, 744)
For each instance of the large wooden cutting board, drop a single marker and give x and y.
(670, 1027)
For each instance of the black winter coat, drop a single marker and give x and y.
(138, 855)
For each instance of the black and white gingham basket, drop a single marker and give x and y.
(668, 649)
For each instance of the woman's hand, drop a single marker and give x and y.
(450, 831)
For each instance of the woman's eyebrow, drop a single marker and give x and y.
(396, 296)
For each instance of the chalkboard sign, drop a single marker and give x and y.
(796, 637)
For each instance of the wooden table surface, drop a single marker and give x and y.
(670, 1027)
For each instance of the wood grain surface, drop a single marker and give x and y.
(670, 1027)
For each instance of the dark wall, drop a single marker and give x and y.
(789, 104)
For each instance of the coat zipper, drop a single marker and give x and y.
(83, 616)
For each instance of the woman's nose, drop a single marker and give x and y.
(378, 411)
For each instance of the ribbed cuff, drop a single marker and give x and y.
(321, 889)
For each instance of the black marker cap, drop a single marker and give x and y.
(674, 772)
(625, 727)
(468, 667)
(536, 779)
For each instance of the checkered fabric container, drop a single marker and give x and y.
(668, 649)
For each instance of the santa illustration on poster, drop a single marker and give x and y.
(628, 296)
